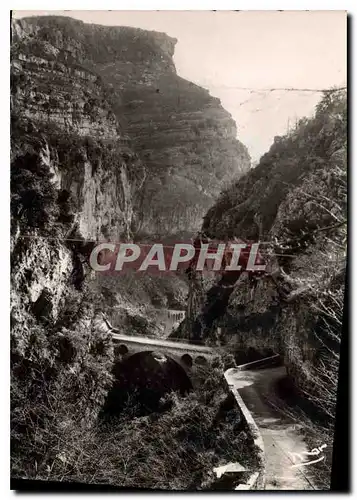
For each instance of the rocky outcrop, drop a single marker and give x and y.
(119, 84)
(127, 147)
(188, 144)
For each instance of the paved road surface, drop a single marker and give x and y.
(279, 432)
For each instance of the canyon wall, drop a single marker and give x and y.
(295, 203)
(119, 87)
(108, 142)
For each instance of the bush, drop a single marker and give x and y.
(58, 385)
(33, 196)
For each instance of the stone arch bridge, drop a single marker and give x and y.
(185, 354)
(176, 314)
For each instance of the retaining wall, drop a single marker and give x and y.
(257, 479)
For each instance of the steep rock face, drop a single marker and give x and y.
(188, 144)
(121, 82)
(74, 177)
(62, 109)
(127, 147)
(295, 202)
(186, 139)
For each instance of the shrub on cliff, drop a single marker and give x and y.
(33, 196)
(59, 381)
(320, 379)
(36, 202)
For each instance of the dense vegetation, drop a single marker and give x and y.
(60, 377)
(174, 446)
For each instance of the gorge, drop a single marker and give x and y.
(110, 144)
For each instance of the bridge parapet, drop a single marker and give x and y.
(186, 354)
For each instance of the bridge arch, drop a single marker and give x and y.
(176, 315)
(187, 360)
(121, 349)
(146, 376)
(184, 361)
(201, 360)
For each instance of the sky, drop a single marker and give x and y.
(228, 52)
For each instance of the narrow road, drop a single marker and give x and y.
(282, 441)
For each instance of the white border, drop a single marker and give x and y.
(348, 5)
(190, 5)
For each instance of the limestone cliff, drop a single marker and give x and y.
(108, 142)
(120, 84)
